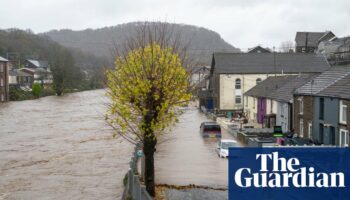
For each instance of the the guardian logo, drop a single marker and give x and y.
(286, 173)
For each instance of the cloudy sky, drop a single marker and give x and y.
(242, 23)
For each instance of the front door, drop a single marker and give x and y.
(261, 110)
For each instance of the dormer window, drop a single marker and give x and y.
(258, 80)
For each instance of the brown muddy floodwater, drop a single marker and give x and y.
(187, 158)
(60, 148)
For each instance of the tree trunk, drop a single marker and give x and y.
(149, 149)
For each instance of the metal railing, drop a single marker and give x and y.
(134, 189)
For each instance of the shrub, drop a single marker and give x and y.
(36, 90)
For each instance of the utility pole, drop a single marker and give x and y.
(306, 41)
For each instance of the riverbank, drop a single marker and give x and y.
(17, 94)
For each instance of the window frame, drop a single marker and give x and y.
(238, 84)
(240, 98)
(342, 105)
(301, 127)
(321, 108)
(310, 129)
(258, 80)
(342, 133)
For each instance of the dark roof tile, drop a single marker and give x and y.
(253, 63)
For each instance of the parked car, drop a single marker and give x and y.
(223, 145)
(210, 130)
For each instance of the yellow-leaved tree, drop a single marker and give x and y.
(150, 81)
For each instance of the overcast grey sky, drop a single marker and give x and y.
(242, 23)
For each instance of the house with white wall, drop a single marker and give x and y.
(274, 100)
(233, 74)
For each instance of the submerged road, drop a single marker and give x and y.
(60, 148)
(186, 158)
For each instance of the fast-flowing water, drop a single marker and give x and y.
(60, 148)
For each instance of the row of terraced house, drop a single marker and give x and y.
(301, 91)
(32, 71)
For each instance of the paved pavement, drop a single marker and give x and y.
(195, 194)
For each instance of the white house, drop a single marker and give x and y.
(233, 74)
(274, 100)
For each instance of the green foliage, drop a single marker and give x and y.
(146, 88)
(66, 75)
(20, 45)
(17, 94)
(36, 90)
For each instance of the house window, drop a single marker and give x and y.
(344, 138)
(238, 99)
(342, 113)
(321, 115)
(1, 67)
(246, 101)
(301, 128)
(258, 80)
(1, 82)
(238, 83)
(254, 102)
(310, 129)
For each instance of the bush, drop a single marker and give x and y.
(16, 94)
(48, 91)
(36, 90)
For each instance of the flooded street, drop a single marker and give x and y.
(187, 158)
(60, 148)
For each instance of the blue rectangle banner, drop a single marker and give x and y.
(307, 173)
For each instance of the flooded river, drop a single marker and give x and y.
(60, 148)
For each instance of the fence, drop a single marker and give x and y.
(134, 189)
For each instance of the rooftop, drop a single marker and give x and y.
(39, 63)
(3, 59)
(340, 88)
(285, 93)
(312, 38)
(269, 86)
(324, 81)
(254, 63)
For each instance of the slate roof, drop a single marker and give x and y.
(18, 73)
(285, 93)
(340, 89)
(268, 86)
(324, 82)
(258, 48)
(313, 38)
(258, 63)
(3, 59)
(39, 63)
